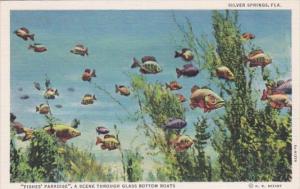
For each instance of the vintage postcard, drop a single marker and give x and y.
(149, 94)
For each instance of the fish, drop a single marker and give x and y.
(258, 58)
(24, 34)
(71, 89)
(279, 101)
(280, 87)
(75, 123)
(80, 50)
(173, 85)
(123, 90)
(37, 85)
(88, 99)
(37, 47)
(17, 126)
(50, 93)
(88, 74)
(255, 52)
(58, 106)
(185, 53)
(20, 89)
(43, 109)
(28, 134)
(181, 142)
(205, 99)
(47, 83)
(13, 117)
(223, 72)
(102, 130)
(188, 70)
(24, 97)
(247, 36)
(180, 97)
(149, 65)
(62, 131)
(175, 123)
(109, 142)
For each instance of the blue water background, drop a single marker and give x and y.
(113, 39)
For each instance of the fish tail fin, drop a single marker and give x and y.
(30, 47)
(31, 37)
(94, 97)
(177, 54)
(37, 108)
(178, 71)
(168, 86)
(94, 73)
(117, 88)
(87, 52)
(135, 63)
(28, 134)
(56, 92)
(15, 32)
(98, 141)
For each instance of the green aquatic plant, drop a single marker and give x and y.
(157, 105)
(82, 166)
(43, 156)
(134, 168)
(252, 143)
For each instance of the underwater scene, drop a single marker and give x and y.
(150, 95)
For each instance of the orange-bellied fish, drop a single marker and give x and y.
(173, 85)
(61, 131)
(185, 53)
(88, 99)
(148, 65)
(24, 34)
(43, 109)
(181, 142)
(88, 74)
(258, 58)
(223, 72)
(123, 90)
(279, 101)
(37, 47)
(180, 97)
(205, 99)
(80, 49)
(247, 36)
(50, 93)
(280, 87)
(109, 142)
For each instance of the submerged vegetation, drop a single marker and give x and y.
(251, 142)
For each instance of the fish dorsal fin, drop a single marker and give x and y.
(148, 58)
(109, 136)
(188, 65)
(121, 86)
(87, 95)
(171, 119)
(80, 45)
(37, 44)
(25, 29)
(280, 82)
(194, 88)
(205, 87)
(185, 49)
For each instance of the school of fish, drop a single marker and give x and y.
(276, 93)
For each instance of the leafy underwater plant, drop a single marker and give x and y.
(252, 143)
